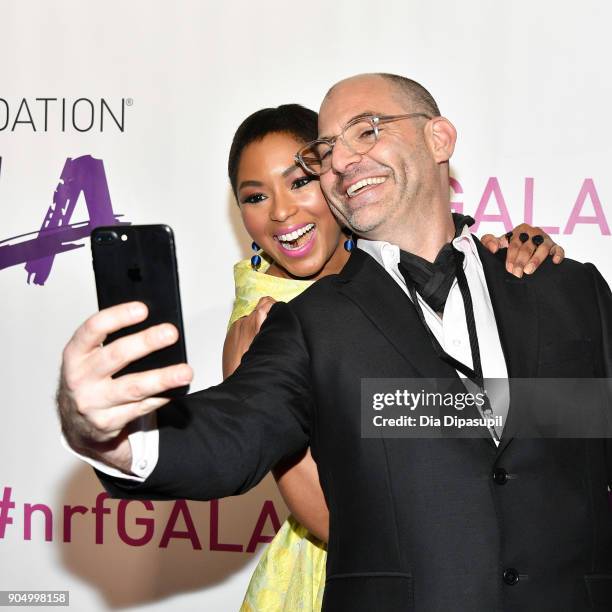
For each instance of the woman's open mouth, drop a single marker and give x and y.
(298, 242)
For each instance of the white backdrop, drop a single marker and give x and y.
(526, 83)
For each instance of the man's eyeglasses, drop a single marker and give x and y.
(359, 135)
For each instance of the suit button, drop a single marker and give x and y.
(500, 476)
(510, 576)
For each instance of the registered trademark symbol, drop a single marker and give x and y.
(129, 101)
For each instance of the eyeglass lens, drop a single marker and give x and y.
(359, 137)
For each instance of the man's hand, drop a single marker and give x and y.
(524, 255)
(95, 409)
(241, 334)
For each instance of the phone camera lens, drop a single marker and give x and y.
(106, 237)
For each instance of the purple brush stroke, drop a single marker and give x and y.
(56, 235)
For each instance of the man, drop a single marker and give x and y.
(467, 524)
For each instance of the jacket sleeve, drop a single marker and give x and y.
(222, 441)
(604, 303)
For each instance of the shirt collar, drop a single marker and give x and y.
(388, 255)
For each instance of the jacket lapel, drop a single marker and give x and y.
(516, 315)
(365, 282)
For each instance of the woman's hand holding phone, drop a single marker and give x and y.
(95, 408)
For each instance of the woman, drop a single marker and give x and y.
(286, 215)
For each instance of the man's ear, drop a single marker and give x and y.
(441, 136)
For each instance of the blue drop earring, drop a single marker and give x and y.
(349, 243)
(256, 259)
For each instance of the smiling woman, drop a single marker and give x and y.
(285, 213)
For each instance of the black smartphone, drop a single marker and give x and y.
(138, 262)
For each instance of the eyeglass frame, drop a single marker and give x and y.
(374, 120)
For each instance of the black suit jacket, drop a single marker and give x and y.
(415, 525)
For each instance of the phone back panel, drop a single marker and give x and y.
(140, 264)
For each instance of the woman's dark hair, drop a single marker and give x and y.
(293, 119)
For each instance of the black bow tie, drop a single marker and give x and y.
(434, 280)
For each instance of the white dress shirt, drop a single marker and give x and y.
(450, 330)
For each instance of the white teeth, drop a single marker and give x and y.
(362, 183)
(295, 234)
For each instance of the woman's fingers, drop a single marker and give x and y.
(265, 303)
(522, 252)
(261, 311)
(557, 252)
(528, 247)
(494, 243)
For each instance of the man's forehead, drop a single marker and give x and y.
(353, 98)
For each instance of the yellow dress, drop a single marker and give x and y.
(290, 575)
